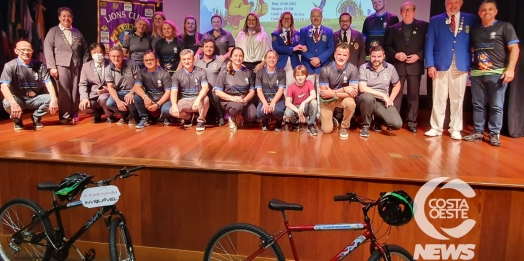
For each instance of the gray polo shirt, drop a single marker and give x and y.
(188, 84)
(379, 80)
(137, 46)
(334, 78)
(222, 42)
(25, 80)
(238, 84)
(155, 84)
(270, 83)
(212, 68)
(123, 79)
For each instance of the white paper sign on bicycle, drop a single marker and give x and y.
(100, 196)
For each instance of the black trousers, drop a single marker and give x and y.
(413, 85)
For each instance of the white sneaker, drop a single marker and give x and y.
(232, 124)
(456, 135)
(433, 133)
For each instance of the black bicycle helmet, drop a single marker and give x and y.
(72, 185)
(396, 208)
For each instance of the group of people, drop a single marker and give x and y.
(295, 75)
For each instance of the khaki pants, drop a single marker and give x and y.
(326, 113)
(185, 107)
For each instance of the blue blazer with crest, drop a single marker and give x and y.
(323, 49)
(285, 51)
(441, 42)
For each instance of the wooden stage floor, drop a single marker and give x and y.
(397, 155)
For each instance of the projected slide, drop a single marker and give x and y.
(234, 12)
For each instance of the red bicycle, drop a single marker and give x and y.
(243, 241)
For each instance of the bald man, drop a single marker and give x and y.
(21, 84)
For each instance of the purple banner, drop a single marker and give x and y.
(116, 19)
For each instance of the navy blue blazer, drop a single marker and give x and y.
(285, 51)
(441, 43)
(323, 49)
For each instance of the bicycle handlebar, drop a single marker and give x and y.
(123, 173)
(353, 197)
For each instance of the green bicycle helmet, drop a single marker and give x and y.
(396, 208)
(72, 185)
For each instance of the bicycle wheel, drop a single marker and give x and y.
(396, 253)
(240, 241)
(33, 242)
(120, 247)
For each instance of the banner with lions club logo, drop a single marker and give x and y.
(116, 19)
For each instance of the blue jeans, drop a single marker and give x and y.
(131, 109)
(278, 113)
(488, 89)
(142, 110)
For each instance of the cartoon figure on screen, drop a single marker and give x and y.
(237, 11)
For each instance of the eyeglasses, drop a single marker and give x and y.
(25, 50)
(149, 60)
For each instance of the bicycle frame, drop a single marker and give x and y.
(56, 210)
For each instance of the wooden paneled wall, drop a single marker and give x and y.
(182, 209)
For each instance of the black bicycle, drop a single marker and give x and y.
(26, 232)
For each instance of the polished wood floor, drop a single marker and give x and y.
(396, 155)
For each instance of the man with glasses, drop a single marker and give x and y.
(21, 86)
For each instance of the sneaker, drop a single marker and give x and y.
(143, 123)
(131, 122)
(377, 126)
(232, 124)
(221, 121)
(494, 139)
(37, 123)
(19, 124)
(111, 119)
(200, 126)
(296, 127)
(312, 130)
(364, 131)
(265, 124)
(122, 121)
(456, 135)
(343, 133)
(475, 136)
(167, 121)
(335, 123)
(433, 133)
(189, 122)
(278, 126)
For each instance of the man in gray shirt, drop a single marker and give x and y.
(375, 99)
(338, 83)
(209, 62)
(21, 83)
(189, 92)
(152, 90)
(120, 78)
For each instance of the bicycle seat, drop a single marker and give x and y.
(275, 204)
(47, 185)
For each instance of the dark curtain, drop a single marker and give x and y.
(509, 11)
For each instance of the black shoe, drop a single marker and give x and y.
(475, 136)
(377, 126)
(97, 119)
(364, 131)
(37, 123)
(412, 129)
(200, 126)
(111, 119)
(312, 130)
(278, 126)
(221, 121)
(296, 127)
(494, 139)
(265, 125)
(19, 124)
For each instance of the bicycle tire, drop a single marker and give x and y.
(38, 212)
(263, 235)
(394, 250)
(113, 246)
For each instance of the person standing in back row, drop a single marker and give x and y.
(374, 28)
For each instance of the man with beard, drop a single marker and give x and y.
(375, 99)
(338, 83)
(352, 37)
(405, 50)
(21, 86)
(374, 28)
(152, 90)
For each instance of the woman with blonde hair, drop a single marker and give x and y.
(236, 89)
(254, 42)
(156, 32)
(270, 83)
(168, 49)
(190, 36)
(136, 44)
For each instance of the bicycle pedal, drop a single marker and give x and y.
(90, 255)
